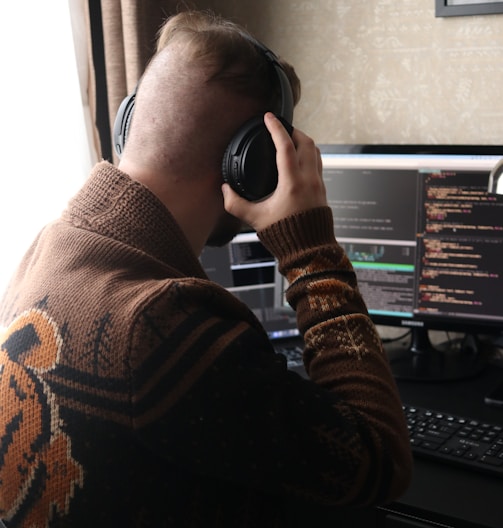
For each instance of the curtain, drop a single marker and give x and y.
(122, 38)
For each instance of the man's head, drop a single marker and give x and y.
(206, 79)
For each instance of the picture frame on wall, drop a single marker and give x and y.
(445, 8)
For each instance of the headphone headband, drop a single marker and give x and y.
(286, 105)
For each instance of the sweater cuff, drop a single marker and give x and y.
(298, 232)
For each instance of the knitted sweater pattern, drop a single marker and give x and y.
(135, 392)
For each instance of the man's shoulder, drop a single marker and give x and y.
(181, 296)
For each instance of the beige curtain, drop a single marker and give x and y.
(122, 38)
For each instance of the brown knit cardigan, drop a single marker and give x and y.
(135, 392)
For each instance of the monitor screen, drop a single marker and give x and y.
(424, 236)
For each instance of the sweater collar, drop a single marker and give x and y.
(112, 204)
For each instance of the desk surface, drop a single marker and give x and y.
(441, 492)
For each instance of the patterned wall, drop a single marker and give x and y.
(385, 70)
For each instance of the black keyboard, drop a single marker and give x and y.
(292, 351)
(455, 439)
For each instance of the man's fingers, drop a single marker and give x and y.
(235, 204)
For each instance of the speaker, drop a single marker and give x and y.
(249, 161)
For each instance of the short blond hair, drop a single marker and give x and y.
(232, 52)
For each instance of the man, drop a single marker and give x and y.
(135, 392)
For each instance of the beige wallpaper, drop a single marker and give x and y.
(385, 71)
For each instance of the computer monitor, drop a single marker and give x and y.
(426, 242)
(247, 270)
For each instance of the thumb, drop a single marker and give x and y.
(232, 200)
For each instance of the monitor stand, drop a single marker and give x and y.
(459, 359)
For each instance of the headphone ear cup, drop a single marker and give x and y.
(122, 122)
(249, 163)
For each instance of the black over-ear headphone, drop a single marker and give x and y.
(249, 162)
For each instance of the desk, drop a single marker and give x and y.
(441, 495)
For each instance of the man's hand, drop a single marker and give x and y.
(300, 183)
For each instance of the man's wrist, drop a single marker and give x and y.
(299, 232)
